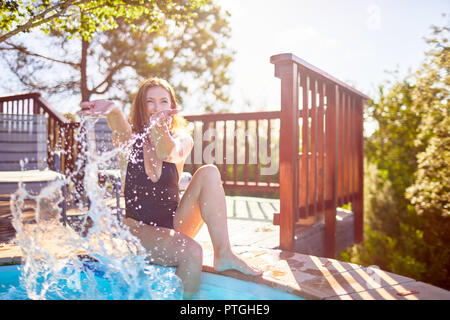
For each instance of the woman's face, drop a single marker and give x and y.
(157, 99)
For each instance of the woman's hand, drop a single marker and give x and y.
(160, 134)
(164, 116)
(159, 128)
(121, 129)
(161, 122)
(97, 108)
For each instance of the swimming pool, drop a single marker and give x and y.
(213, 287)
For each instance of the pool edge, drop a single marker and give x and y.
(318, 278)
(262, 281)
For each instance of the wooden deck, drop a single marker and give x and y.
(249, 221)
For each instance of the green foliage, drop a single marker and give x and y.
(379, 201)
(430, 192)
(407, 174)
(84, 18)
(396, 242)
(196, 51)
(394, 153)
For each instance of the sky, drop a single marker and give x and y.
(355, 41)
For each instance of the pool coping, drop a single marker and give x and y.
(307, 276)
(319, 278)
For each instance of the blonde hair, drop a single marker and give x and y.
(138, 117)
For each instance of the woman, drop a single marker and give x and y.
(165, 224)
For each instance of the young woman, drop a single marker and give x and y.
(166, 224)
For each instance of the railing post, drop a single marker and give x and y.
(331, 170)
(289, 136)
(359, 201)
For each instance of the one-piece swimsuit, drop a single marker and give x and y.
(153, 203)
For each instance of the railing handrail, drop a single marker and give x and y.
(20, 96)
(43, 103)
(222, 116)
(51, 111)
(275, 59)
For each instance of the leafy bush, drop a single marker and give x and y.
(407, 176)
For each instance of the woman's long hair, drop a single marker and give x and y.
(138, 117)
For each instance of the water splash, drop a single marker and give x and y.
(60, 263)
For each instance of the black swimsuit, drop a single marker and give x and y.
(153, 203)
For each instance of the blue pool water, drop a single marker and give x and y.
(213, 287)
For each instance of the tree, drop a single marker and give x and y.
(391, 148)
(85, 17)
(407, 176)
(115, 61)
(430, 192)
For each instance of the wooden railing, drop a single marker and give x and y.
(321, 149)
(241, 146)
(60, 131)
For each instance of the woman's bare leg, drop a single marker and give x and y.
(204, 201)
(168, 247)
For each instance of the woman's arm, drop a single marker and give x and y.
(183, 144)
(121, 129)
(171, 148)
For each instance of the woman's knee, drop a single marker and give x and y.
(195, 252)
(209, 171)
(189, 250)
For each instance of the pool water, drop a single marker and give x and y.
(213, 287)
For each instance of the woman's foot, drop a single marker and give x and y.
(229, 261)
